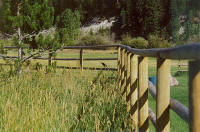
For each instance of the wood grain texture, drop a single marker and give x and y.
(143, 94)
(163, 95)
(194, 95)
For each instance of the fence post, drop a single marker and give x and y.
(163, 95)
(50, 57)
(81, 59)
(143, 94)
(128, 79)
(119, 67)
(125, 73)
(134, 91)
(123, 68)
(194, 95)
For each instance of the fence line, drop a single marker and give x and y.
(133, 81)
(164, 103)
(81, 59)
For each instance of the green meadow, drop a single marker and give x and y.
(75, 100)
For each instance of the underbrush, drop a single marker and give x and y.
(94, 39)
(62, 101)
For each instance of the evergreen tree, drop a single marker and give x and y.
(31, 20)
(24, 18)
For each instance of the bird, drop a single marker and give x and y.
(104, 65)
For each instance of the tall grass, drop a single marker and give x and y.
(64, 101)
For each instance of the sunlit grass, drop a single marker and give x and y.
(55, 101)
(62, 101)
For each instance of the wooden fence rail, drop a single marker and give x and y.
(133, 81)
(161, 93)
(81, 59)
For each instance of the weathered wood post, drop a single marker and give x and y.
(125, 73)
(50, 57)
(134, 90)
(163, 95)
(128, 79)
(194, 95)
(119, 66)
(123, 68)
(81, 59)
(143, 94)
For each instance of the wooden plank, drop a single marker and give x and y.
(125, 73)
(134, 90)
(163, 96)
(76, 47)
(81, 58)
(175, 105)
(143, 94)
(123, 69)
(96, 47)
(178, 52)
(180, 109)
(152, 117)
(119, 67)
(65, 59)
(194, 95)
(88, 68)
(128, 79)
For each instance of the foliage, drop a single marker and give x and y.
(31, 22)
(2, 44)
(69, 26)
(95, 39)
(104, 31)
(157, 42)
(137, 42)
(33, 18)
(88, 8)
(38, 66)
(141, 18)
(27, 15)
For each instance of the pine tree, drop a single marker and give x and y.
(31, 20)
(24, 18)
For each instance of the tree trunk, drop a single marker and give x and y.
(20, 50)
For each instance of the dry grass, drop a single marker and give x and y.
(62, 101)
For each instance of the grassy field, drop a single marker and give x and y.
(62, 101)
(76, 100)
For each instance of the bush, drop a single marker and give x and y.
(90, 40)
(157, 42)
(138, 42)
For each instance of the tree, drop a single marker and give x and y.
(25, 18)
(66, 32)
(31, 21)
(144, 17)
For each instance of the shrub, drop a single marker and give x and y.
(138, 42)
(37, 66)
(89, 40)
(157, 42)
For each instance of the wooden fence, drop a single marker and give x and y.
(133, 77)
(133, 81)
(81, 59)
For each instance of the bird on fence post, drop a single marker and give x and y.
(104, 65)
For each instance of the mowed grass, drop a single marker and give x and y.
(81, 81)
(62, 101)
